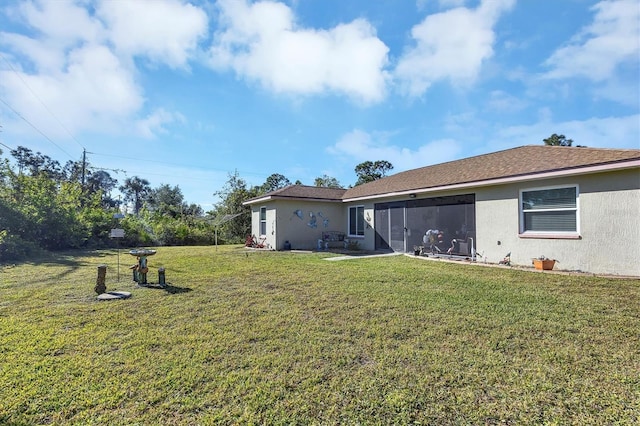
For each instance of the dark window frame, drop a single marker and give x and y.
(263, 221)
(356, 229)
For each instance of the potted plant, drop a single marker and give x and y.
(544, 263)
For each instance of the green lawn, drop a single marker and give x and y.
(290, 338)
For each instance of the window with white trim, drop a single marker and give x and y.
(356, 221)
(263, 221)
(552, 210)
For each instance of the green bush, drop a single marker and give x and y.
(12, 247)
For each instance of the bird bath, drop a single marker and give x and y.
(140, 269)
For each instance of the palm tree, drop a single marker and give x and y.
(135, 190)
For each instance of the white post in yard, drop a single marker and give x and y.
(117, 233)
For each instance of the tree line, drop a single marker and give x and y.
(48, 206)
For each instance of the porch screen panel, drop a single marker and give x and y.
(454, 216)
(381, 225)
(420, 217)
(397, 226)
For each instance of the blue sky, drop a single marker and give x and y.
(184, 93)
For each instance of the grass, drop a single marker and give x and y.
(285, 338)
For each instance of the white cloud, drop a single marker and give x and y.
(40, 56)
(608, 132)
(362, 146)
(92, 90)
(611, 40)
(618, 90)
(599, 48)
(504, 102)
(77, 63)
(451, 45)
(262, 42)
(155, 122)
(165, 32)
(64, 22)
(60, 26)
(602, 59)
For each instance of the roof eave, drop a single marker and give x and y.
(281, 197)
(506, 180)
(256, 201)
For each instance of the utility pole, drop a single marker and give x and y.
(84, 165)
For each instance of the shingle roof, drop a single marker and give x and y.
(510, 163)
(299, 192)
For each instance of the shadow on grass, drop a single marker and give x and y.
(70, 260)
(169, 288)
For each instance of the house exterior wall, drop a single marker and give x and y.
(497, 224)
(270, 236)
(608, 237)
(299, 222)
(366, 242)
(609, 232)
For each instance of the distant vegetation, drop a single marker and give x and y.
(560, 140)
(47, 206)
(44, 206)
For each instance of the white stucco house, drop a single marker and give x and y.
(578, 205)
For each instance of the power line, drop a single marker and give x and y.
(81, 146)
(138, 173)
(170, 163)
(84, 162)
(8, 147)
(84, 151)
(163, 175)
(123, 157)
(40, 100)
(34, 127)
(130, 173)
